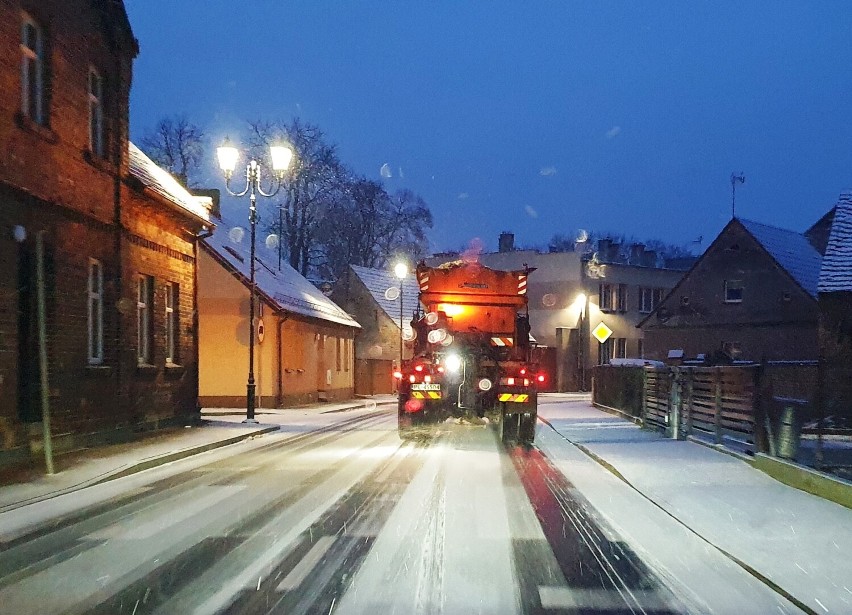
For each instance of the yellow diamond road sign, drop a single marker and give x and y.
(602, 333)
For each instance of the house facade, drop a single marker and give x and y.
(572, 292)
(835, 301)
(304, 342)
(373, 298)
(115, 236)
(751, 296)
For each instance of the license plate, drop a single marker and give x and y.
(426, 386)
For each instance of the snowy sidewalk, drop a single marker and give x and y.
(794, 540)
(219, 427)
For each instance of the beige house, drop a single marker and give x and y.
(305, 352)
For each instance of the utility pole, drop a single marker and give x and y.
(734, 179)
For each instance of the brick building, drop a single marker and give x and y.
(751, 296)
(835, 300)
(120, 236)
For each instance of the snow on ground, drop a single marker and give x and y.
(798, 541)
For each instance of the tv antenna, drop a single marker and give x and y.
(734, 179)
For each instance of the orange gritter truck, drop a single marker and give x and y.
(472, 355)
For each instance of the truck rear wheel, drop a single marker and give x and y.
(526, 428)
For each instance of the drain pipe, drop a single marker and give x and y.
(280, 396)
(42, 353)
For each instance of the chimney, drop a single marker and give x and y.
(649, 258)
(637, 250)
(215, 195)
(614, 253)
(506, 242)
(603, 249)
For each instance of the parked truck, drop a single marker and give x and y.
(472, 354)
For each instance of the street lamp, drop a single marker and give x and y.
(228, 156)
(400, 270)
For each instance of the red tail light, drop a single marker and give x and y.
(540, 378)
(510, 381)
(440, 369)
(418, 368)
(523, 371)
(397, 375)
(412, 379)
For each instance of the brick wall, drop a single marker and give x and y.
(50, 182)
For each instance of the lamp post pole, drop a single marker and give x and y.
(228, 156)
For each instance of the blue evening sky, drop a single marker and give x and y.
(531, 117)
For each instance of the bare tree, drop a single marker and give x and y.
(370, 227)
(310, 188)
(177, 145)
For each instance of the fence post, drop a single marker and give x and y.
(688, 405)
(675, 403)
(644, 409)
(759, 408)
(717, 414)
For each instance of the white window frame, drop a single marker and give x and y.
(172, 321)
(96, 112)
(144, 300)
(646, 300)
(95, 312)
(734, 285)
(32, 71)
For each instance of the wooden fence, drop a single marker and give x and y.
(725, 404)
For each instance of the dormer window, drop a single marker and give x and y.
(96, 113)
(32, 71)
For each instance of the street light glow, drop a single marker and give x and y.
(228, 156)
(400, 270)
(281, 156)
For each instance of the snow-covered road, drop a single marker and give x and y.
(347, 518)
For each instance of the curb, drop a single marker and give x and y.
(154, 462)
(146, 464)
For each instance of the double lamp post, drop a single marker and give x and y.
(228, 156)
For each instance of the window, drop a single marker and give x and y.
(172, 322)
(144, 330)
(95, 312)
(684, 300)
(621, 348)
(605, 352)
(605, 297)
(622, 298)
(347, 358)
(649, 299)
(32, 71)
(338, 353)
(96, 113)
(733, 291)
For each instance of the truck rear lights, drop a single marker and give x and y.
(540, 378)
(427, 378)
(440, 369)
(485, 384)
(412, 379)
(397, 375)
(418, 368)
(523, 371)
(510, 382)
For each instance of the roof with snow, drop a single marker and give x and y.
(836, 272)
(285, 289)
(791, 250)
(162, 183)
(379, 281)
